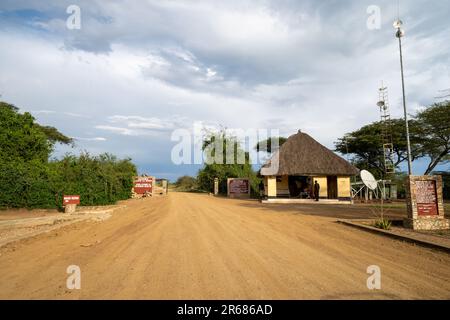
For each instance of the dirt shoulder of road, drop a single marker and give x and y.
(436, 239)
(14, 214)
(196, 246)
(17, 225)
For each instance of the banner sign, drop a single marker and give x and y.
(71, 199)
(426, 197)
(143, 185)
(238, 187)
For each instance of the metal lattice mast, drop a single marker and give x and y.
(386, 130)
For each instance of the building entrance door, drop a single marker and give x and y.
(332, 187)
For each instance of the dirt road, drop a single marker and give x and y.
(193, 246)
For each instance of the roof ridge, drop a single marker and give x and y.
(301, 154)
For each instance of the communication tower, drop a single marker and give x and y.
(386, 130)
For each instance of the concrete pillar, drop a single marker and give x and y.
(164, 186)
(70, 208)
(216, 186)
(272, 187)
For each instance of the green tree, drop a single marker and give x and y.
(28, 179)
(54, 136)
(266, 145)
(366, 147)
(222, 149)
(20, 138)
(433, 134)
(446, 183)
(429, 136)
(186, 183)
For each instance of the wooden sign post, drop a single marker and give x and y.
(70, 203)
(425, 203)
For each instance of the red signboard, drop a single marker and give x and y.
(143, 185)
(239, 187)
(71, 199)
(426, 197)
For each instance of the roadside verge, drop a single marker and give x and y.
(425, 240)
(19, 229)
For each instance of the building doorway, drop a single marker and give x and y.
(299, 186)
(332, 187)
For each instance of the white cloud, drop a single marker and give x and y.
(42, 111)
(91, 139)
(138, 70)
(152, 123)
(118, 130)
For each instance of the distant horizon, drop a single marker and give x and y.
(418, 168)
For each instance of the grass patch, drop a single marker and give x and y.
(383, 224)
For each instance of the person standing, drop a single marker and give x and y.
(261, 189)
(316, 190)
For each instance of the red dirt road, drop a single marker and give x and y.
(193, 246)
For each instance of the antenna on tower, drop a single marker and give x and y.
(386, 130)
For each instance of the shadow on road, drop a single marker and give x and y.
(330, 210)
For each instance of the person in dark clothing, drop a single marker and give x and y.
(316, 190)
(261, 190)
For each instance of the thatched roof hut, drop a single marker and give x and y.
(301, 155)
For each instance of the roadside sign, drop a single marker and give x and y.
(71, 199)
(425, 203)
(426, 197)
(238, 187)
(143, 185)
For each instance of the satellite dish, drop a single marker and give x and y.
(368, 179)
(398, 24)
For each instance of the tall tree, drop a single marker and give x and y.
(429, 136)
(266, 145)
(366, 146)
(225, 158)
(22, 138)
(433, 134)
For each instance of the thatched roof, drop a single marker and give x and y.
(303, 156)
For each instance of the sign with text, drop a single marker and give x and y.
(426, 197)
(238, 187)
(425, 203)
(143, 185)
(71, 199)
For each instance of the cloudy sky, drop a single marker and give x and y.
(139, 69)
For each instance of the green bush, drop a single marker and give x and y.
(98, 180)
(29, 180)
(25, 184)
(186, 183)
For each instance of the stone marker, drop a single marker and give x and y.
(425, 203)
(165, 186)
(70, 203)
(70, 208)
(216, 186)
